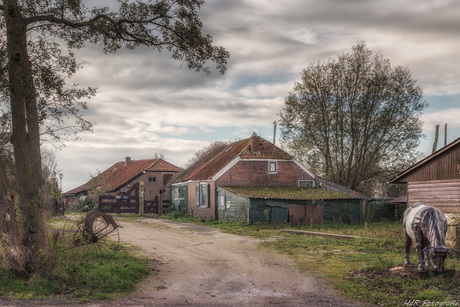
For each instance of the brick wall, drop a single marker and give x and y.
(153, 187)
(202, 211)
(256, 173)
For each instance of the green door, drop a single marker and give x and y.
(183, 198)
(278, 215)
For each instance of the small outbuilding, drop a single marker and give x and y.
(294, 205)
(435, 181)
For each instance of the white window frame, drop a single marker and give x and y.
(270, 163)
(203, 195)
(221, 201)
(306, 180)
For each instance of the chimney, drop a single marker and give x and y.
(255, 143)
(127, 160)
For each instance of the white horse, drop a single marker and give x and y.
(427, 227)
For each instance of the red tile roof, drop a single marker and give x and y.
(76, 190)
(121, 174)
(245, 149)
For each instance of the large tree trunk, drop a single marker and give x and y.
(7, 201)
(34, 238)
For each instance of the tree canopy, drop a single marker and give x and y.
(38, 38)
(354, 118)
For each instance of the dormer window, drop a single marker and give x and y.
(272, 167)
(306, 183)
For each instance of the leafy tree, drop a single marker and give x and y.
(36, 54)
(354, 118)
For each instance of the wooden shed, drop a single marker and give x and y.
(294, 205)
(435, 180)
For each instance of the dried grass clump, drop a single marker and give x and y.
(14, 255)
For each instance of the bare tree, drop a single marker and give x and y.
(200, 158)
(26, 24)
(354, 118)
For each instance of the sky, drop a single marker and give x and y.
(147, 103)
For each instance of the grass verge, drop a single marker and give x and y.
(77, 274)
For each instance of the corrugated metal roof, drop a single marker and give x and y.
(329, 185)
(288, 193)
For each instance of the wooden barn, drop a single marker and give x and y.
(435, 180)
(123, 177)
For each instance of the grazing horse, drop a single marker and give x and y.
(427, 226)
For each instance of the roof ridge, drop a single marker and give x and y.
(425, 160)
(245, 147)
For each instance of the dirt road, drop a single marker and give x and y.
(201, 266)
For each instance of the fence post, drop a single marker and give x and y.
(160, 204)
(141, 199)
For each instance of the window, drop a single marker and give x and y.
(175, 194)
(272, 167)
(221, 201)
(306, 183)
(152, 178)
(202, 195)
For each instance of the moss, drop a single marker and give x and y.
(291, 193)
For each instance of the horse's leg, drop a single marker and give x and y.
(408, 246)
(419, 247)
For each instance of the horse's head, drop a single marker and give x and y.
(438, 255)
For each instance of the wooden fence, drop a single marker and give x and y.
(128, 202)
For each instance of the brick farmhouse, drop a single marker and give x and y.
(255, 181)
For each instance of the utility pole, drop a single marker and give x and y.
(436, 135)
(274, 132)
(445, 134)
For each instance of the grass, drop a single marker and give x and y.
(357, 268)
(84, 279)
(79, 274)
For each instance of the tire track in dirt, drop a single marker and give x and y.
(201, 266)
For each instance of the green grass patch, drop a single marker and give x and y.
(77, 274)
(357, 268)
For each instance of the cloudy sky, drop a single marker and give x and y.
(148, 103)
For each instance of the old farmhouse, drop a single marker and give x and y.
(253, 180)
(154, 173)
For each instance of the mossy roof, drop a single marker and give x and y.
(289, 193)
(241, 149)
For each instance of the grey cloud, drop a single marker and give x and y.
(269, 43)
